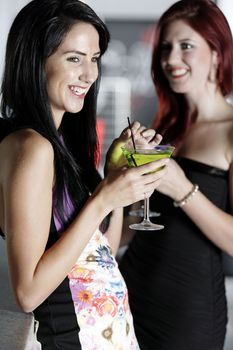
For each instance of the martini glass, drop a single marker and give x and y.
(140, 212)
(140, 157)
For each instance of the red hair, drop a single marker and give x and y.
(172, 118)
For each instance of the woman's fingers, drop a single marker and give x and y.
(148, 134)
(125, 186)
(141, 134)
(152, 137)
(152, 166)
(147, 177)
(145, 136)
(126, 133)
(157, 139)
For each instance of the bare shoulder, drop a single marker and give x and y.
(24, 148)
(27, 142)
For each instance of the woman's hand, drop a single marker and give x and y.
(175, 184)
(143, 137)
(125, 186)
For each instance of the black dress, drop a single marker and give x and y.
(175, 276)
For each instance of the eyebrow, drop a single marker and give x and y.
(180, 40)
(186, 39)
(80, 53)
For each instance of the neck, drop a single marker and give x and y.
(209, 106)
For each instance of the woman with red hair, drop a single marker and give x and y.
(175, 276)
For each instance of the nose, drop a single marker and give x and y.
(172, 56)
(89, 72)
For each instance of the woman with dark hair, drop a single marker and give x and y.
(53, 202)
(175, 276)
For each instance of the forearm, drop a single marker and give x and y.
(127, 232)
(114, 231)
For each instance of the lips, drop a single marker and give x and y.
(78, 90)
(176, 73)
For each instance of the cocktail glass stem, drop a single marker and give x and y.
(146, 224)
(140, 212)
(146, 210)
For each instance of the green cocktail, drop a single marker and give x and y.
(141, 157)
(144, 156)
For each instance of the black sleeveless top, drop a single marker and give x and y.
(175, 276)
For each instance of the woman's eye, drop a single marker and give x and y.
(73, 59)
(95, 59)
(186, 46)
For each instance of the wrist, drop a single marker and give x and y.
(100, 198)
(187, 197)
(182, 189)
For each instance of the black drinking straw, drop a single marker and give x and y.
(132, 141)
(131, 134)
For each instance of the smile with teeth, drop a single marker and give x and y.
(177, 73)
(77, 90)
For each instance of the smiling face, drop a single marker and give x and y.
(72, 69)
(186, 58)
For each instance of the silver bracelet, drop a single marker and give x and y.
(186, 198)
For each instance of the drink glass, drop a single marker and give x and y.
(141, 157)
(140, 212)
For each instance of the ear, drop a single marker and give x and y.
(213, 73)
(215, 60)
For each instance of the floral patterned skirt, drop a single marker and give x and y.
(100, 299)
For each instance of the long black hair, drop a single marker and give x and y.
(35, 34)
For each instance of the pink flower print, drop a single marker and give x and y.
(81, 274)
(106, 305)
(90, 321)
(82, 297)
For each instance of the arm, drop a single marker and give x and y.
(127, 232)
(212, 221)
(113, 233)
(27, 186)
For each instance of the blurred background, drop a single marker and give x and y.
(126, 90)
